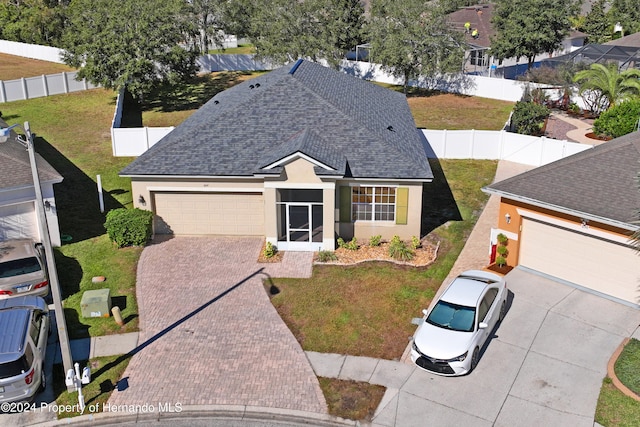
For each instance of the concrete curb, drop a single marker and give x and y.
(611, 372)
(236, 412)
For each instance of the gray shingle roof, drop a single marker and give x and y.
(256, 123)
(600, 183)
(15, 169)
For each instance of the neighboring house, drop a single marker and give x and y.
(18, 217)
(300, 155)
(572, 219)
(478, 56)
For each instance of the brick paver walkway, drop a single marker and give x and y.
(208, 332)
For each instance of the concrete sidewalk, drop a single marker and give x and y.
(108, 345)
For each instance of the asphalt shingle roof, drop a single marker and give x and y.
(601, 182)
(15, 169)
(329, 116)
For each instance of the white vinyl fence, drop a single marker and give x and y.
(500, 145)
(33, 51)
(445, 144)
(131, 142)
(232, 62)
(36, 87)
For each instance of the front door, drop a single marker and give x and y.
(299, 223)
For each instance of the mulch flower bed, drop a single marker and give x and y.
(423, 256)
(276, 258)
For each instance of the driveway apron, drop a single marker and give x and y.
(544, 365)
(208, 332)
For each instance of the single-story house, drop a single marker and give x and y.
(478, 53)
(301, 155)
(18, 216)
(572, 219)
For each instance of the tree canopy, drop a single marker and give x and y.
(526, 28)
(283, 31)
(132, 43)
(596, 24)
(33, 21)
(412, 39)
(627, 13)
(603, 86)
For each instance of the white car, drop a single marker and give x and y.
(451, 335)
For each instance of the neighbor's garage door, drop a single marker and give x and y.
(595, 263)
(18, 221)
(236, 214)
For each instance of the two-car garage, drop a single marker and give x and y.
(204, 213)
(583, 256)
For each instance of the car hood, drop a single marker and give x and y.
(440, 343)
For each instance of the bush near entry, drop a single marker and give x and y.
(129, 227)
(619, 120)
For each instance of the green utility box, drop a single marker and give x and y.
(96, 303)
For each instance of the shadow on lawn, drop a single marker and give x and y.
(189, 95)
(438, 201)
(76, 196)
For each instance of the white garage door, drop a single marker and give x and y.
(602, 265)
(227, 214)
(18, 221)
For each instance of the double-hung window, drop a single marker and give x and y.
(371, 203)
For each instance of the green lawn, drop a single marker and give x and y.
(627, 366)
(366, 310)
(242, 49)
(15, 67)
(615, 409)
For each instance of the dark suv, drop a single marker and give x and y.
(24, 329)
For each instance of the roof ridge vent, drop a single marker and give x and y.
(295, 66)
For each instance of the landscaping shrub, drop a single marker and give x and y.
(415, 242)
(500, 260)
(619, 120)
(129, 227)
(269, 250)
(352, 245)
(326, 256)
(528, 118)
(375, 240)
(399, 250)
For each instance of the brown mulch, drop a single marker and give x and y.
(424, 255)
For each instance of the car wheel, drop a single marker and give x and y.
(474, 358)
(43, 381)
(503, 310)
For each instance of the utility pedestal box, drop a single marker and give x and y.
(96, 303)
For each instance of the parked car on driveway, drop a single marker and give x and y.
(23, 269)
(452, 334)
(24, 330)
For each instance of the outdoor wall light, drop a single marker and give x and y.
(47, 206)
(142, 201)
(507, 217)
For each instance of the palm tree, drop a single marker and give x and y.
(603, 86)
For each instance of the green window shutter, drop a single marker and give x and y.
(345, 204)
(402, 205)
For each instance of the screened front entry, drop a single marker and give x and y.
(299, 219)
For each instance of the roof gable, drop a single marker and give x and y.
(253, 124)
(15, 167)
(599, 183)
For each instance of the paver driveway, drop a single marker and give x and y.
(208, 332)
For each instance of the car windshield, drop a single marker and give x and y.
(18, 267)
(452, 316)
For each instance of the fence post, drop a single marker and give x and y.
(65, 85)
(543, 143)
(25, 94)
(3, 93)
(473, 141)
(45, 87)
(444, 143)
(502, 136)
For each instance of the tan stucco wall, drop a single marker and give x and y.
(387, 229)
(511, 207)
